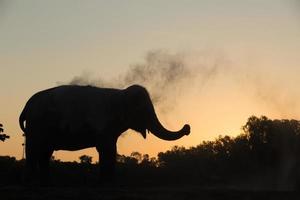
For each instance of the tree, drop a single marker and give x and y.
(3, 137)
(136, 155)
(85, 159)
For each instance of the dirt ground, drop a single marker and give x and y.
(132, 193)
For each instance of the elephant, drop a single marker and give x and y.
(73, 117)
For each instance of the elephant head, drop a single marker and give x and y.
(142, 117)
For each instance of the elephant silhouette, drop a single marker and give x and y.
(72, 117)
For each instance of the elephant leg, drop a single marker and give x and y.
(31, 161)
(107, 162)
(43, 162)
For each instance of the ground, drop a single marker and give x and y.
(132, 193)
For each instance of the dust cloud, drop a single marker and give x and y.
(170, 76)
(166, 76)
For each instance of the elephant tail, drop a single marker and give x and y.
(22, 119)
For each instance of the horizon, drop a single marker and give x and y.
(136, 154)
(213, 65)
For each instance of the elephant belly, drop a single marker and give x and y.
(74, 143)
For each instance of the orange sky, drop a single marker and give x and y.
(243, 55)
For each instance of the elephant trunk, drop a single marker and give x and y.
(157, 129)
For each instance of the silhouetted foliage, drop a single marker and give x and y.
(267, 151)
(10, 170)
(265, 155)
(84, 159)
(3, 137)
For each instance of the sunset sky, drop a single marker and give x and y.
(237, 59)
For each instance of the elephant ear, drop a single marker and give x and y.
(136, 109)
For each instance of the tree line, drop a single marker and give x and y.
(265, 155)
